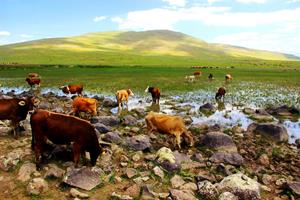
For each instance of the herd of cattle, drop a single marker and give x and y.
(65, 129)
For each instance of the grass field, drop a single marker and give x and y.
(169, 79)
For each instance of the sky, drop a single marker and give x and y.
(261, 24)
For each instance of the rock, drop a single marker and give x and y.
(6, 131)
(215, 128)
(135, 129)
(139, 142)
(170, 167)
(189, 186)
(131, 172)
(159, 172)
(137, 156)
(106, 120)
(25, 171)
(10, 160)
(84, 178)
(283, 110)
(230, 158)
(113, 137)
(294, 186)
(102, 128)
(182, 194)
(207, 109)
(297, 142)
(147, 192)
(139, 111)
(219, 141)
(105, 162)
(44, 105)
(237, 130)
(122, 197)
(133, 191)
(280, 182)
(264, 159)
(277, 133)
(228, 196)
(262, 118)
(267, 179)
(107, 102)
(197, 157)
(177, 181)
(165, 153)
(248, 111)
(54, 171)
(207, 190)
(37, 186)
(75, 193)
(241, 186)
(129, 120)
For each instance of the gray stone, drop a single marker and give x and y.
(129, 120)
(276, 132)
(159, 172)
(102, 128)
(182, 194)
(177, 181)
(37, 186)
(84, 178)
(54, 171)
(131, 172)
(233, 158)
(207, 109)
(113, 137)
(122, 197)
(207, 190)
(107, 102)
(147, 193)
(138, 142)
(75, 193)
(106, 120)
(228, 196)
(294, 186)
(6, 131)
(219, 141)
(25, 171)
(10, 160)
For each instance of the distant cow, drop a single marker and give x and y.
(190, 78)
(16, 110)
(167, 124)
(81, 104)
(155, 93)
(228, 77)
(197, 74)
(33, 79)
(220, 94)
(63, 129)
(122, 95)
(211, 77)
(72, 89)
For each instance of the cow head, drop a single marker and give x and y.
(130, 93)
(65, 89)
(147, 89)
(29, 103)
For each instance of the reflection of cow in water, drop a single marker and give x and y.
(63, 129)
(155, 93)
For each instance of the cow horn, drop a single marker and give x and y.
(61, 87)
(147, 89)
(22, 103)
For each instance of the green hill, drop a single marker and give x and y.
(159, 47)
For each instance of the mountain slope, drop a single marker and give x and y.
(129, 48)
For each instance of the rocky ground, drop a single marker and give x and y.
(225, 163)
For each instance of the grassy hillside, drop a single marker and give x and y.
(159, 47)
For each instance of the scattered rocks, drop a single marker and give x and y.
(37, 186)
(159, 172)
(207, 109)
(276, 132)
(131, 172)
(264, 159)
(102, 128)
(76, 194)
(228, 196)
(106, 120)
(10, 160)
(129, 120)
(182, 194)
(113, 137)
(207, 190)
(294, 186)
(54, 171)
(139, 142)
(219, 141)
(177, 181)
(230, 158)
(107, 102)
(25, 171)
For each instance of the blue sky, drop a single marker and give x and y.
(262, 24)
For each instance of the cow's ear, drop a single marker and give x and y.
(22, 103)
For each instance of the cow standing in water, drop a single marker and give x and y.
(33, 79)
(72, 89)
(63, 129)
(155, 93)
(123, 95)
(210, 77)
(220, 94)
(228, 77)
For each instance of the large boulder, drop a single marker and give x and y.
(207, 109)
(107, 102)
(113, 137)
(232, 158)
(106, 120)
(129, 120)
(276, 132)
(139, 142)
(102, 128)
(241, 186)
(283, 110)
(219, 141)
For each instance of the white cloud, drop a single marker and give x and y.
(4, 33)
(99, 18)
(252, 1)
(180, 3)
(292, 1)
(26, 36)
(213, 1)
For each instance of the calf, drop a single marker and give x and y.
(228, 77)
(72, 89)
(197, 74)
(221, 93)
(81, 104)
(63, 129)
(16, 110)
(190, 78)
(33, 79)
(167, 124)
(122, 95)
(155, 93)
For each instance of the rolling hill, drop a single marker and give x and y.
(159, 47)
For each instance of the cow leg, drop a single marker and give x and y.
(15, 129)
(83, 157)
(178, 140)
(76, 153)
(38, 155)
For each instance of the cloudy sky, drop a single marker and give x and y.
(262, 24)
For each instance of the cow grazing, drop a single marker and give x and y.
(33, 79)
(190, 78)
(220, 94)
(197, 74)
(167, 124)
(122, 95)
(211, 77)
(63, 129)
(72, 89)
(16, 110)
(155, 93)
(81, 104)
(228, 77)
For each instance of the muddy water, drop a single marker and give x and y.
(228, 114)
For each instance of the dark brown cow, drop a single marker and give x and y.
(211, 77)
(33, 79)
(63, 129)
(16, 110)
(197, 73)
(221, 93)
(155, 93)
(72, 89)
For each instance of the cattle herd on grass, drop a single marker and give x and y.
(71, 129)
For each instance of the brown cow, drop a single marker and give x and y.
(63, 129)
(197, 74)
(122, 95)
(228, 77)
(221, 93)
(33, 79)
(16, 110)
(72, 89)
(81, 104)
(167, 124)
(155, 93)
